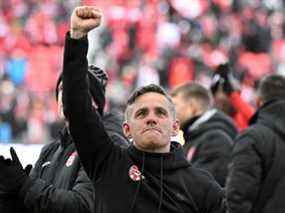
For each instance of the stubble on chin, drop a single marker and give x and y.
(152, 143)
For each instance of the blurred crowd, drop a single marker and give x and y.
(167, 42)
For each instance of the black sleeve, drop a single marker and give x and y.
(214, 154)
(210, 198)
(215, 199)
(86, 127)
(35, 172)
(40, 196)
(244, 176)
(11, 204)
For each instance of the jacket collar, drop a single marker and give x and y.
(195, 122)
(65, 137)
(154, 161)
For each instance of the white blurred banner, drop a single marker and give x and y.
(28, 154)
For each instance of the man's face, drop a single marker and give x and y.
(151, 123)
(184, 108)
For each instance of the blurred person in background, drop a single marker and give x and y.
(208, 132)
(58, 182)
(256, 178)
(226, 90)
(7, 103)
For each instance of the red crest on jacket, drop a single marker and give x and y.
(134, 173)
(71, 159)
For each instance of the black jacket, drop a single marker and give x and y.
(59, 183)
(113, 122)
(10, 204)
(128, 180)
(208, 143)
(224, 122)
(256, 180)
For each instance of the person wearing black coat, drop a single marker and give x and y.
(58, 182)
(152, 175)
(256, 182)
(208, 132)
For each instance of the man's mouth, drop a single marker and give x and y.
(152, 129)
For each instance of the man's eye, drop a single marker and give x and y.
(141, 113)
(161, 112)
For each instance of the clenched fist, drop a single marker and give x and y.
(84, 19)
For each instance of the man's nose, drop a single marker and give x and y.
(151, 120)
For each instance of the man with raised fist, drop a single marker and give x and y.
(58, 183)
(152, 174)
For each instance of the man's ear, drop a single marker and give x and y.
(194, 106)
(126, 130)
(175, 128)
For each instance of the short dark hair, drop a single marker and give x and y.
(196, 91)
(271, 87)
(147, 89)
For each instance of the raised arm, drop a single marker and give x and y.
(85, 123)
